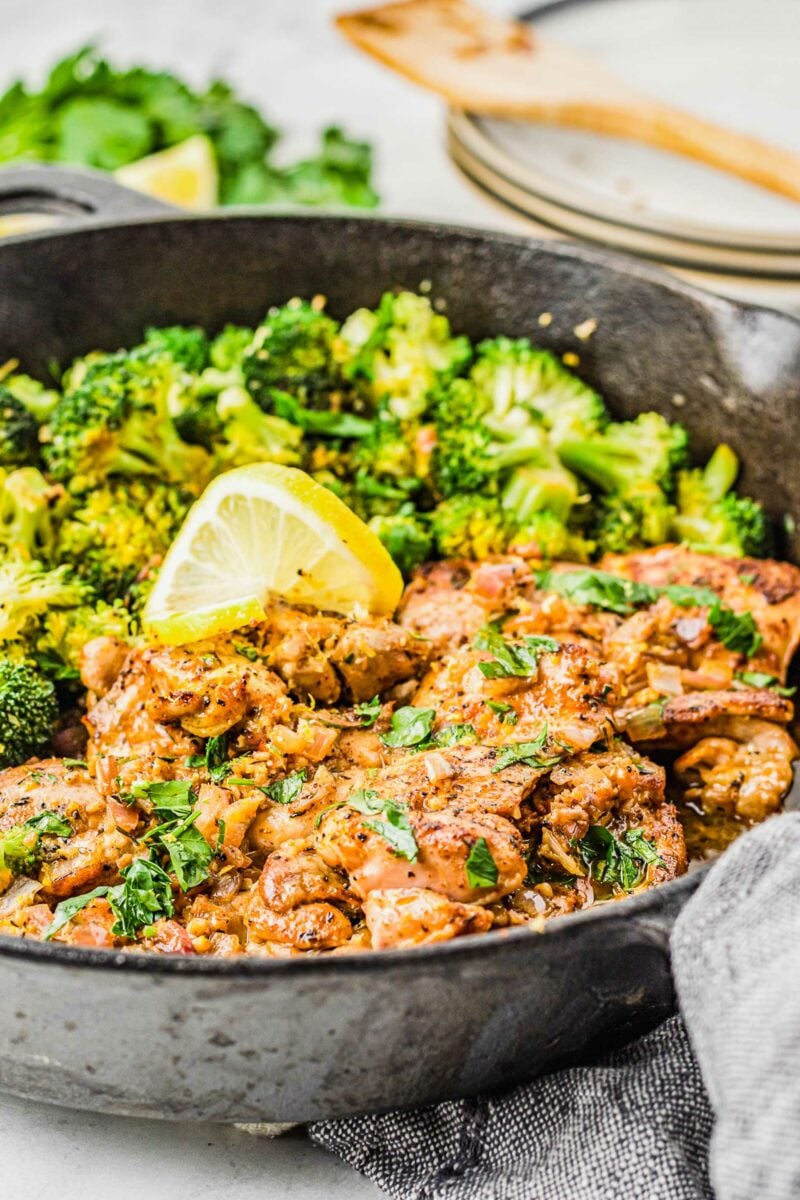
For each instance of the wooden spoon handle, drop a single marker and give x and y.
(671, 129)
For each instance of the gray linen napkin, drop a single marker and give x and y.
(639, 1122)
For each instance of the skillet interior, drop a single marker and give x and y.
(290, 1041)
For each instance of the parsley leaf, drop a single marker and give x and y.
(144, 896)
(480, 866)
(368, 712)
(451, 735)
(511, 659)
(760, 679)
(395, 826)
(617, 861)
(737, 631)
(528, 753)
(67, 909)
(189, 853)
(247, 651)
(217, 758)
(409, 726)
(171, 798)
(597, 589)
(284, 791)
(504, 711)
(48, 822)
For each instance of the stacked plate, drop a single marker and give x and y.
(712, 57)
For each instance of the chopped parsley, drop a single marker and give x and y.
(480, 866)
(761, 679)
(214, 758)
(394, 825)
(169, 797)
(527, 753)
(504, 711)
(617, 861)
(409, 727)
(248, 652)
(284, 791)
(368, 712)
(517, 659)
(737, 631)
(144, 896)
(451, 735)
(67, 909)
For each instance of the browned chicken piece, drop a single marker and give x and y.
(746, 774)
(279, 823)
(295, 874)
(769, 590)
(447, 602)
(315, 926)
(101, 661)
(326, 657)
(403, 917)
(444, 840)
(95, 850)
(569, 694)
(687, 718)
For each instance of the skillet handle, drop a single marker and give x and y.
(70, 193)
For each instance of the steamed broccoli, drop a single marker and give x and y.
(31, 394)
(228, 348)
(400, 351)
(539, 501)
(64, 632)
(713, 520)
(385, 466)
(251, 435)
(29, 592)
(28, 709)
(113, 419)
(293, 351)
(634, 464)
(19, 432)
(406, 536)
(185, 345)
(515, 382)
(29, 508)
(469, 527)
(116, 535)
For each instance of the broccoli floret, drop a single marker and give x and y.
(250, 435)
(293, 351)
(642, 517)
(29, 509)
(33, 395)
(19, 432)
(514, 382)
(400, 351)
(228, 347)
(117, 535)
(628, 453)
(386, 466)
(28, 709)
(546, 536)
(185, 345)
(406, 537)
(64, 633)
(712, 519)
(469, 527)
(114, 419)
(462, 455)
(28, 592)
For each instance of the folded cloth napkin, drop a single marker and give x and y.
(655, 1119)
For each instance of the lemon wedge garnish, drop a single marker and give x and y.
(185, 174)
(267, 530)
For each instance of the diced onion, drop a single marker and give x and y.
(664, 679)
(645, 724)
(21, 892)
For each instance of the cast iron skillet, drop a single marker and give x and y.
(293, 1040)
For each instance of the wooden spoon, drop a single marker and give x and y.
(502, 68)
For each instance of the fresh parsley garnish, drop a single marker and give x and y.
(246, 651)
(214, 758)
(528, 753)
(504, 711)
(284, 791)
(144, 896)
(409, 727)
(519, 659)
(617, 861)
(368, 712)
(451, 735)
(67, 909)
(480, 866)
(737, 631)
(169, 797)
(761, 679)
(394, 825)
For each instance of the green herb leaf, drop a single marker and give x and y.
(368, 712)
(48, 822)
(481, 867)
(409, 726)
(246, 651)
(170, 798)
(395, 826)
(614, 861)
(189, 854)
(504, 711)
(761, 679)
(512, 659)
(284, 791)
(144, 896)
(528, 753)
(598, 589)
(217, 758)
(67, 909)
(451, 735)
(737, 631)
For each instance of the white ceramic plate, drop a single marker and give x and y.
(727, 60)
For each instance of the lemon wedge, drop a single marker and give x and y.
(265, 530)
(185, 174)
